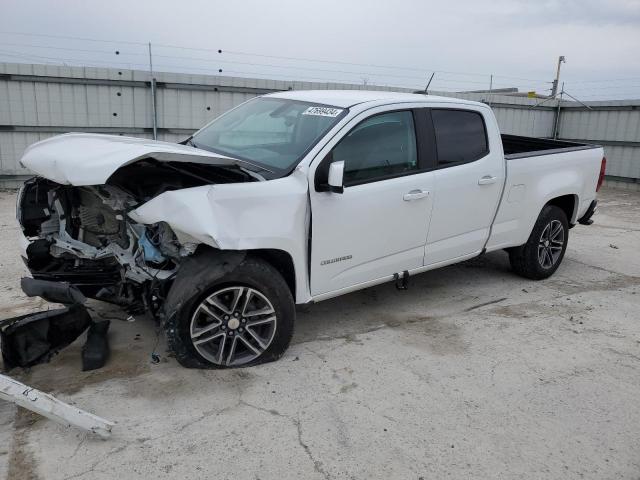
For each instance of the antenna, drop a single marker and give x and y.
(426, 89)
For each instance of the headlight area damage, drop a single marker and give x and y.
(84, 235)
(200, 241)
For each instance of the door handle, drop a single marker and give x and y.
(415, 195)
(487, 180)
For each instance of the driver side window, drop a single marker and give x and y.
(380, 146)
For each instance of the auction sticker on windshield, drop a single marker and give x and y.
(323, 111)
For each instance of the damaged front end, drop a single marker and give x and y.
(83, 235)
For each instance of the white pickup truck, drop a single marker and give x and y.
(295, 197)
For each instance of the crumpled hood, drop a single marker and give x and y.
(90, 159)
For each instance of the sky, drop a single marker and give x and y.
(399, 42)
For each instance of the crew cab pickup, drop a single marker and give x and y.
(295, 197)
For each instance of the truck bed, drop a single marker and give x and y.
(516, 146)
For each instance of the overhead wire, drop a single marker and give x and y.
(282, 57)
(51, 47)
(84, 39)
(443, 79)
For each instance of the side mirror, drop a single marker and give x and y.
(336, 174)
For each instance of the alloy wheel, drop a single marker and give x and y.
(233, 326)
(551, 244)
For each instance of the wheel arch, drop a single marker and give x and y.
(568, 204)
(281, 261)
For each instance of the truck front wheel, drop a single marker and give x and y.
(541, 256)
(239, 315)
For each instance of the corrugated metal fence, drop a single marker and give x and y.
(39, 101)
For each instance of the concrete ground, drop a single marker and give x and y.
(472, 373)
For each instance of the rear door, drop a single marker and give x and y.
(378, 225)
(470, 174)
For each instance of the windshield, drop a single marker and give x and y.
(274, 133)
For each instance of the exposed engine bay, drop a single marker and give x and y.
(83, 235)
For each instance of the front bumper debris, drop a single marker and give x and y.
(34, 338)
(56, 292)
(50, 407)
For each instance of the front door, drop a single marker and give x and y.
(378, 225)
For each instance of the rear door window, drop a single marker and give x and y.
(461, 136)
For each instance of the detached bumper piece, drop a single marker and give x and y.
(586, 218)
(95, 352)
(56, 292)
(31, 339)
(50, 407)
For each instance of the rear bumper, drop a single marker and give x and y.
(586, 218)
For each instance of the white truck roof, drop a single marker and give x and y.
(348, 98)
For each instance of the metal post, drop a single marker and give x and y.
(153, 106)
(556, 124)
(490, 88)
(150, 62)
(554, 88)
(153, 96)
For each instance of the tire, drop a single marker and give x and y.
(541, 256)
(228, 309)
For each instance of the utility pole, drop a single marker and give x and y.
(554, 89)
(490, 87)
(153, 95)
(556, 123)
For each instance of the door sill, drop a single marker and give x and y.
(389, 278)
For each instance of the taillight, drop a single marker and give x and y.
(603, 167)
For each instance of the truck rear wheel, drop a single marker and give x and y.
(237, 313)
(541, 256)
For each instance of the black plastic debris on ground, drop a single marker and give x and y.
(34, 338)
(95, 352)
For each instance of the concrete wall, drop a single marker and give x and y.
(39, 101)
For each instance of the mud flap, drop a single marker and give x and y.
(586, 218)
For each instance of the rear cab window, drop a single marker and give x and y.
(461, 136)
